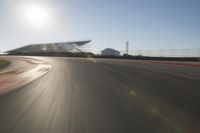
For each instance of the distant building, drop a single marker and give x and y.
(51, 47)
(110, 52)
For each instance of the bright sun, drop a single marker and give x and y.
(36, 14)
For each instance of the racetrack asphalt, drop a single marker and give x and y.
(105, 96)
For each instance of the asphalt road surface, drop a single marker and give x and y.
(105, 96)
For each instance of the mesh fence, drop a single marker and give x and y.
(165, 53)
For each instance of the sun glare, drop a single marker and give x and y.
(36, 14)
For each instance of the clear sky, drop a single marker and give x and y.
(146, 24)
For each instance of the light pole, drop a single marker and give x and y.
(127, 47)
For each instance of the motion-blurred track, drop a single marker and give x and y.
(105, 96)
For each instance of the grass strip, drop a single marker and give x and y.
(3, 64)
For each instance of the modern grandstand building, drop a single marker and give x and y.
(63, 47)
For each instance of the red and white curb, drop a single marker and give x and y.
(12, 80)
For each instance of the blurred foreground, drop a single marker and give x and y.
(106, 96)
